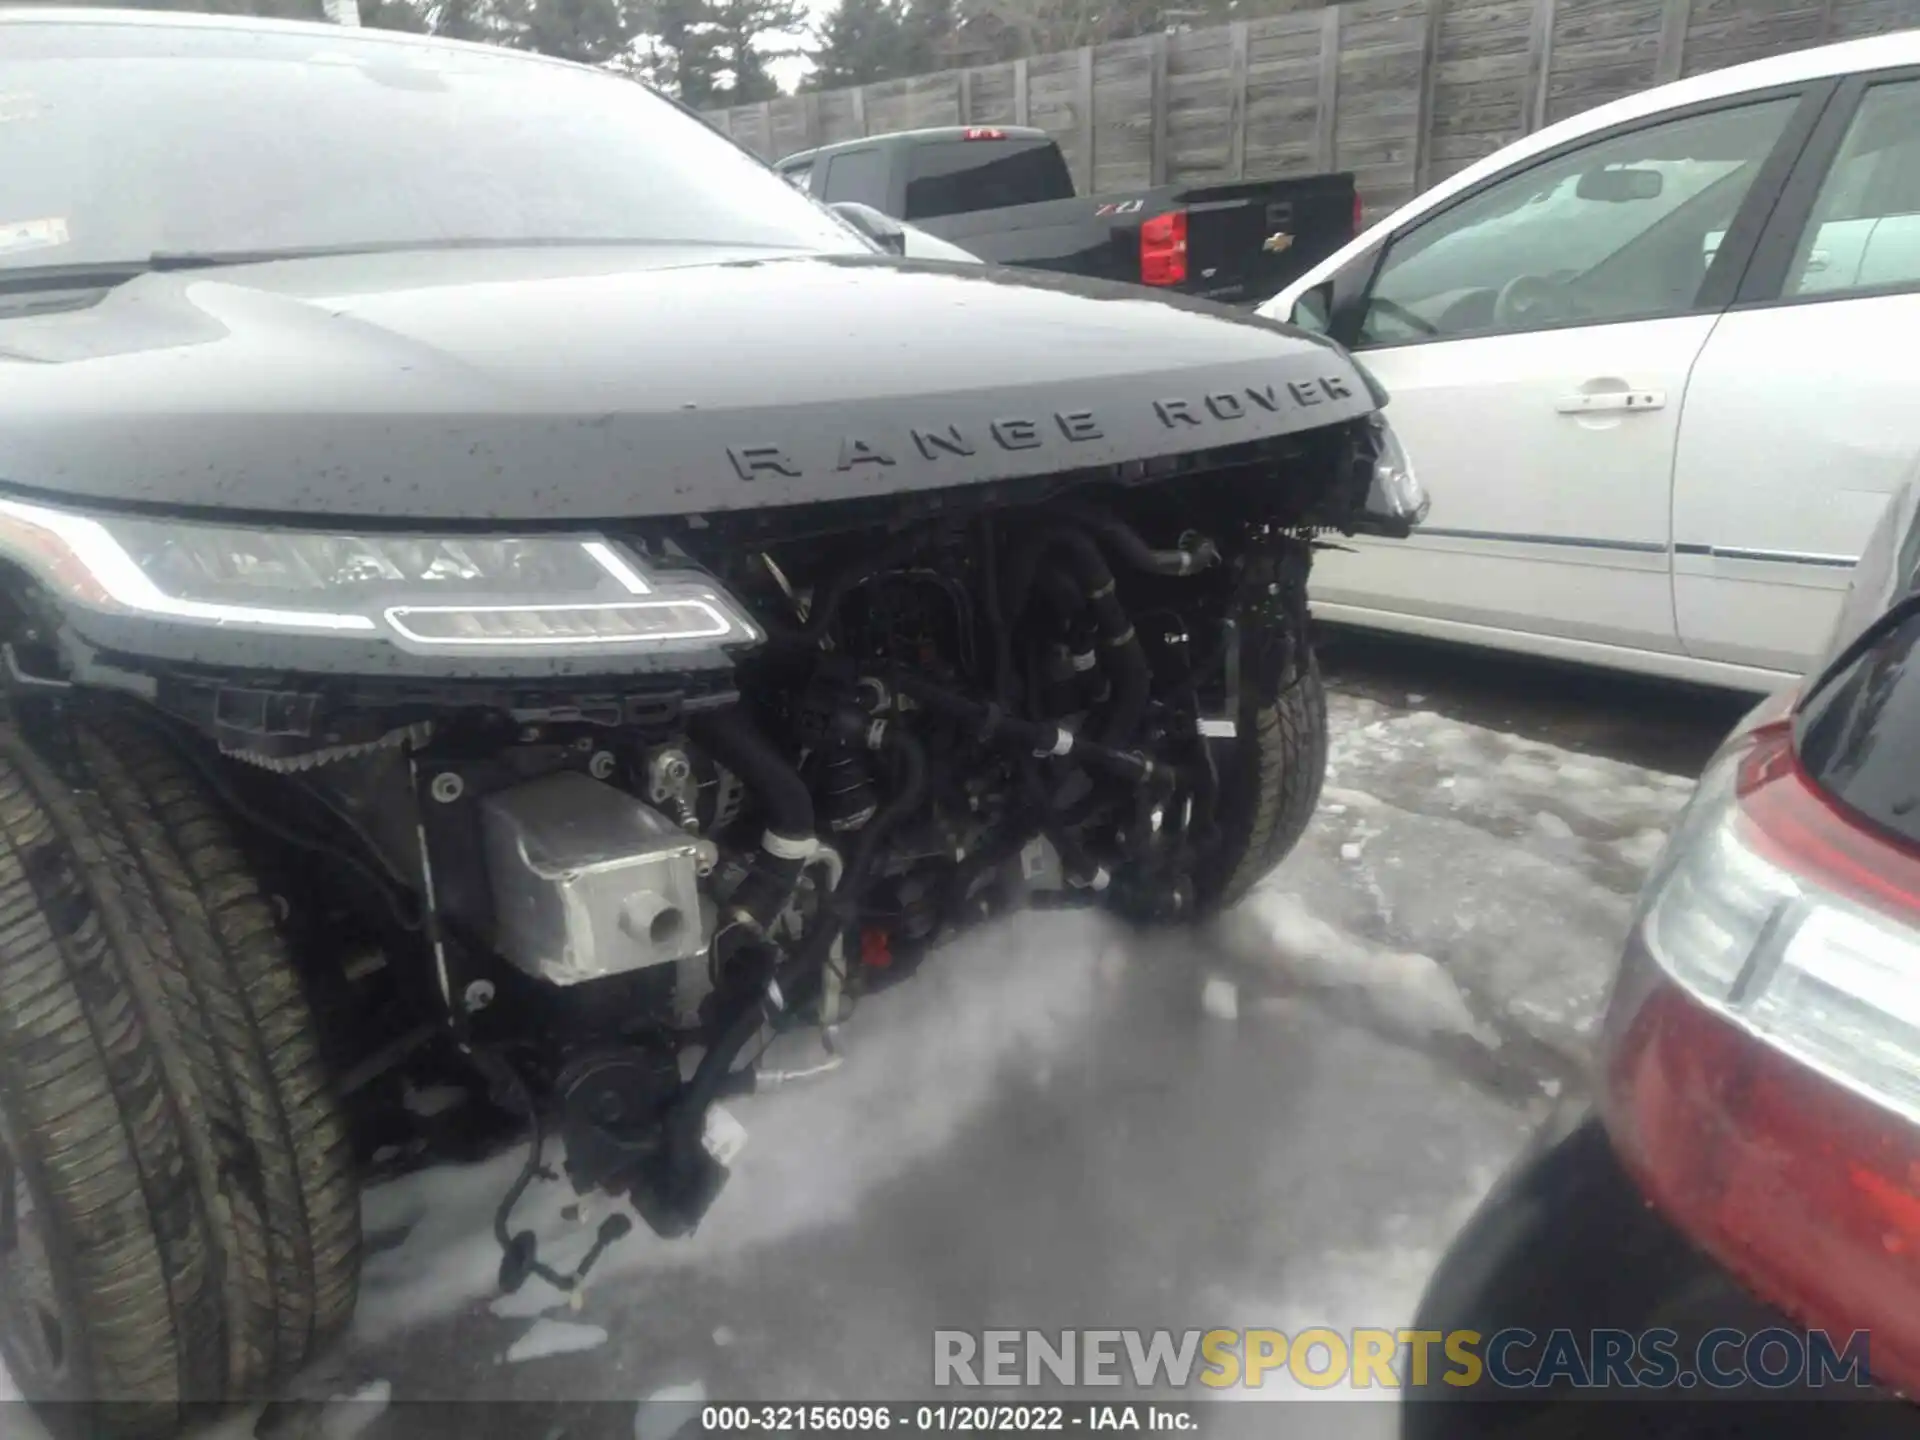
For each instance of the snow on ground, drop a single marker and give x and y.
(922, 1057)
(1057, 1123)
(554, 1337)
(1461, 879)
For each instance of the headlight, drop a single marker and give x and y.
(424, 593)
(1396, 500)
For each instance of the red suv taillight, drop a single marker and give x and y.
(1163, 249)
(1763, 1049)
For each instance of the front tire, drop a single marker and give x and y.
(191, 1228)
(1270, 781)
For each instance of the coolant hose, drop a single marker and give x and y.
(687, 1122)
(1125, 542)
(732, 738)
(1038, 737)
(905, 799)
(847, 580)
(843, 905)
(1132, 678)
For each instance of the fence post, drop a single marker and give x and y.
(860, 108)
(1083, 102)
(1324, 154)
(1161, 102)
(966, 97)
(1237, 101)
(1020, 91)
(1423, 124)
(1671, 58)
(810, 120)
(1539, 64)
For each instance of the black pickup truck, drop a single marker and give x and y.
(1005, 194)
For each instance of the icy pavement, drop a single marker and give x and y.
(1059, 1124)
(1461, 881)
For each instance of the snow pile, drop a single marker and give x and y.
(346, 1416)
(1410, 992)
(662, 1414)
(555, 1337)
(1459, 877)
(1220, 998)
(921, 1059)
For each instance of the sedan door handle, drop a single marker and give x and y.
(1581, 403)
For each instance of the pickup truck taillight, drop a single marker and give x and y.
(1163, 249)
(1763, 1049)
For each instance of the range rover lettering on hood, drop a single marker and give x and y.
(548, 386)
(1058, 429)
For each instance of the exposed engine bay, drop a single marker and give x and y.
(585, 642)
(614, 896)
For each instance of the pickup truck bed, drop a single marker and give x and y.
(1005, 194)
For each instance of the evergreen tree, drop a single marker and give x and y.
(744, 36)
(861, 41)
(685, 60)
(932, 35)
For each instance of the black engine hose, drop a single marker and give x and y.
(793, 977)
(842, 907)
(1073, 855)
(1132, 677)
(992, 724)
(906, 798)
(1125, 542)
(1003, 672)
(733, 739)
(827, 606)
(686, 1121)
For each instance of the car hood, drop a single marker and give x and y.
(562, 385)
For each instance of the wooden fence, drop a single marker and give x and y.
(1401, 92)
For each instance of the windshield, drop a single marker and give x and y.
(121, 140)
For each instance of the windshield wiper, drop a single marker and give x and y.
(102, 274)
(106, 274)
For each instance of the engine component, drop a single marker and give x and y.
(589, 882)
(293, 763)
(671, 784)
(732, 736)
(611, 1105)
(849, 799)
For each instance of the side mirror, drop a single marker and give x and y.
(1314, 309)
(1614, 187)
(882, 230)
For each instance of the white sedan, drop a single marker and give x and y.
(1656, 365)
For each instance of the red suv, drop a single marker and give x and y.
(1737, 1212)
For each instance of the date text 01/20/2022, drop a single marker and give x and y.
(912, 1418)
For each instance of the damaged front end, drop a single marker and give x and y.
(611, 808)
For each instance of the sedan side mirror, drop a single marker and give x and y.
(882, 230)
(1314, 309)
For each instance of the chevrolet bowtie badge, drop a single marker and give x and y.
(1277, 242)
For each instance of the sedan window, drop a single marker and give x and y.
(1615, 230)
(1864, 232)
